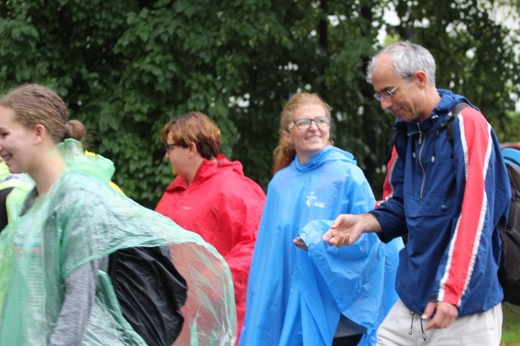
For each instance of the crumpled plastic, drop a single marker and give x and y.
(81, 219)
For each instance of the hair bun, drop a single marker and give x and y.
(75, 129)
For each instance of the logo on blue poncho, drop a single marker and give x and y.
(312, 200)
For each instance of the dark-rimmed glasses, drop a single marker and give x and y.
(305, 123)
(169, 147)
(386, 94)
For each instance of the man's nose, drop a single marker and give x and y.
(385, 104)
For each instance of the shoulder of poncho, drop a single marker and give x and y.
(78, 187)
(80, 181)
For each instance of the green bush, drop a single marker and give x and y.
(511, 325)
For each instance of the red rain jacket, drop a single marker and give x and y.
(224, 207)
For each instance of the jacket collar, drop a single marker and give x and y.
(208, 169)
(448, 101)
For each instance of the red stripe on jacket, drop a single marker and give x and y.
(477, 144)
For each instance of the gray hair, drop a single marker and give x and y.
(407, 58)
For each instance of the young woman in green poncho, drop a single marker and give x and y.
(27, 139)
(54, 255)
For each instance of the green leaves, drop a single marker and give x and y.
(126, 67)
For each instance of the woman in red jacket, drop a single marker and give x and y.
(211, 196)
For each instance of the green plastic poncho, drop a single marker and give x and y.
(81, 219)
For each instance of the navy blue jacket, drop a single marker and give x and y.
(448, 196)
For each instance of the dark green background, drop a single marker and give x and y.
(126, 67)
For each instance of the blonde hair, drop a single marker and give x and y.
(285, 153)
(194, 127)
(34, 104)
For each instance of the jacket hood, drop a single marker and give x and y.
(448, 101)
(94, 165)
(329, 153)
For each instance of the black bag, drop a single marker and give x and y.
(150, 292)
(509, 271)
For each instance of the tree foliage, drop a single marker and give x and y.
(126, 67)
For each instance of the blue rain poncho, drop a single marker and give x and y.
(81, 219)
(296, 297)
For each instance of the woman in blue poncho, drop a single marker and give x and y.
(54, 288)
(301, 291)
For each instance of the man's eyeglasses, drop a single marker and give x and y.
(305, 123)
(169, 147)
(386, 94)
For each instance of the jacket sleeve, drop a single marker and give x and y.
(243, 219)
(241, 215)
(477, 180)
(74, 222)
(80, 289)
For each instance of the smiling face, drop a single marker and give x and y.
(16, 142)
(308, 142)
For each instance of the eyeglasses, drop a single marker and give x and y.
(386, 94)
(305, 123)
(169, 147)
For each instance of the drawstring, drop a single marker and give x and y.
(423, 334)
(411, 324)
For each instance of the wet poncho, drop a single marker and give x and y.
(296, 297)
(81, 219)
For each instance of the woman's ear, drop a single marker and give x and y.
(192, 147)
(287, 136)
(40, 133)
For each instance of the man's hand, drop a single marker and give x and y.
(347, 228)
(443, 314)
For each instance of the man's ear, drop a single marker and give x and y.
(421, 78)
(40, 133)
